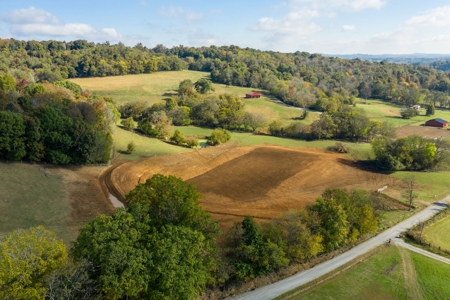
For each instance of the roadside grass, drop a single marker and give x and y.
(393, 217)
(432, 276)
(31, 196)
(145, 146)
(378, 277)
(438, 234)
(431, 186)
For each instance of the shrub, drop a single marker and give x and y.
(130, 147)
(129, 123)
(219, 136)
(339, 148)
(178, 138)
(409, 113)
(192, 142)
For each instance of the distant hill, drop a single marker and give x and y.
(437, 61)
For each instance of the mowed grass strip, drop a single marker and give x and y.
(438, 234)
(31, 196)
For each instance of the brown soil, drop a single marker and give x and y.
(87, 197)
(426, 131)
(261, 181)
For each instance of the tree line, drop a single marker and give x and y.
(163, 246)
(301, 78)
(55, 122)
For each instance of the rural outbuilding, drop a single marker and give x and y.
(437, 123)
(253, 95)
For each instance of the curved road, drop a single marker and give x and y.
(278, 288)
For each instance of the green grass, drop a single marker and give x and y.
(366, 280)
(145, 146)
(433, 277)
(370, 279)
(29, 198)
(142, 87)
(438, 234)
(385, 111)
(390, 218)
(431, 186)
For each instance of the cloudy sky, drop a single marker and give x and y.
(317, 26)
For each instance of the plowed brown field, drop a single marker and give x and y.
(261, 181)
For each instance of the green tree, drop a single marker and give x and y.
(254, 121)
(333, 223)
(173, 201)
(178, 138)
(129, 123)
(132, 258)
(204, 86)
(27, 256)
(7, 83)
(12, 136)
(219, 136)
(130, 147)
(430, 109)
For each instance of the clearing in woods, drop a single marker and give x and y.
(260, 181)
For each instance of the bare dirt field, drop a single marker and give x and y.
(426, 131)
(260, 181)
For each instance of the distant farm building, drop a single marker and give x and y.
(437, 123)
(253, 95)
(416, 107)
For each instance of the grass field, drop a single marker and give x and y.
(385, 111)
(392, 273)
(438, 234)
(431, 186)
(145, 146)
(29, 197)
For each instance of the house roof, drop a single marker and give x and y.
(253, 93)
(439, 120)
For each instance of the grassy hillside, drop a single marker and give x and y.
(392, 273)
(32, 196)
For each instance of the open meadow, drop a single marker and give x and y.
(389, 273)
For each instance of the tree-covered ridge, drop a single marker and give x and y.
(300, 78)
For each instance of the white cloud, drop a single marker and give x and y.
(198, 37)
(355, 5)
(438, 17)
(34, 22)
(192, 16)
(30, 15)
(348, 28)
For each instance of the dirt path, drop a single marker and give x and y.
(410, 275)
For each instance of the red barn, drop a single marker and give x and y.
(253, 95)
(437, 123)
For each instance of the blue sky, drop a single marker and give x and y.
(316, 26)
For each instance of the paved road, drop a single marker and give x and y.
(401, 243)
(278, 288)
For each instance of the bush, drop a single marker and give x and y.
(178, 138)
(409, 113)
(338, 148)
(130, 147)
(128, 123)
(192, 142)
(219, 136)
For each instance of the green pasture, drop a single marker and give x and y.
(438, 234)
(385, 111)
(433, 277)
(431, 186)
(145, 146)
(382, 276)
(30, 196)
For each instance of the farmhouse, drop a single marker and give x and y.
(438, 122)
(253, 95)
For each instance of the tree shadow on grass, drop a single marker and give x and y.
(365, 165)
